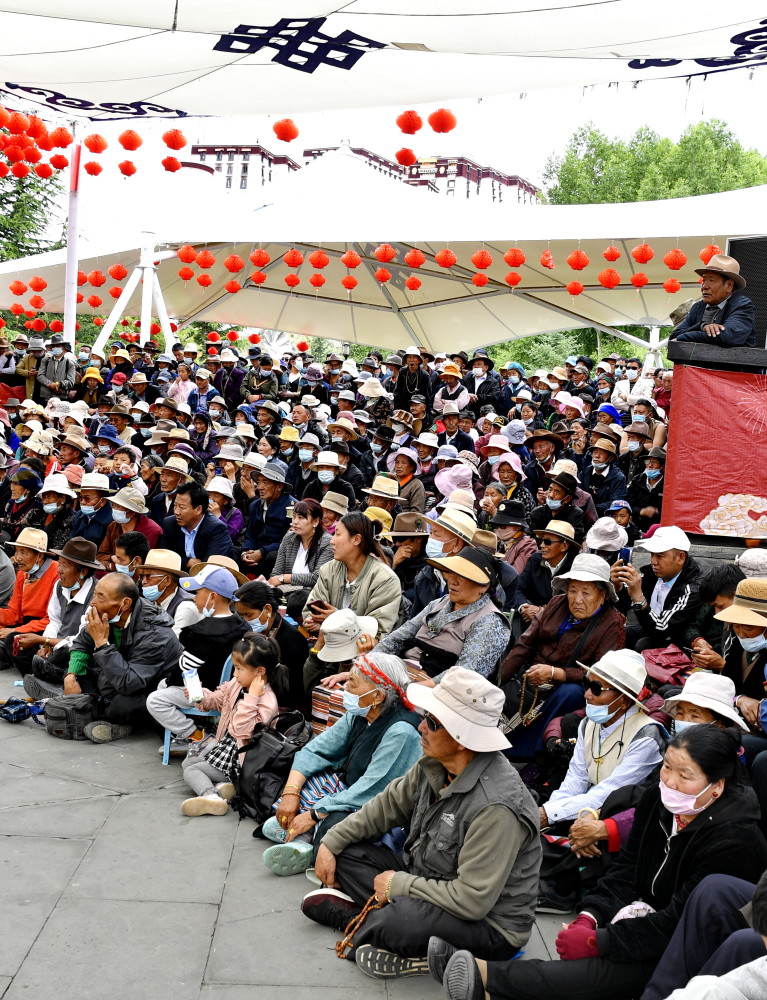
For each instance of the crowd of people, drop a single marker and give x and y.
(467, 564)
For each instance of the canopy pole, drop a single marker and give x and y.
(146, 265)
(162, 312)
(70, 278)
(117, 311)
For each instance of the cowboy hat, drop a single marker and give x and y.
(479, 356)
(468, 705)
(178, 466)
(131, 499)
(563, 530)
(543, 435)
(458, 523)
(401, 417)
(605, 444)
(121, 411)
(78, 550)
(336, 502)
(31, 538)
(411, 524)
(720, 263)
(226, 562)
(470, 564)
(384, 485)
(588, 569)
(342, 423)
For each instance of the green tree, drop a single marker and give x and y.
(26, 208)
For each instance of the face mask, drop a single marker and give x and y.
(104, 449)
(376, 447)
(34, 569)
(305, 454)
(631, 375)
(633, 446)
(337, 439)
(652, 473)
(152, 592)
(398, 428)
(146, 431)
(83, 357)
(478, 372)
(287, 452)
(493, 459)
(680, 803)
(598, 466)
(299, 366)
(215, 412)
(679, 727)
(603, 392)
(121, 517)
(156, 453)
(553, 504)
(434, 549)
(208, 612)
(755, 644)
(87, 509)
(258, 626)
(352, 704)
(619, 369)
(326, 476)
(57, 351)
(600, 713)
(123, 569)
(514, 379)
(528, 422)
(50, 508)
(75, 586)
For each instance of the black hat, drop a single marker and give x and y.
(510, 512)
(265, 359)
(482, 356)
(384, 433)
(462, 355)
(418, 398)
(340, 448)
(566, 481)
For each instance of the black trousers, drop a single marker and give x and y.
(639, 639)
(22, 660)
(711, 938)
(583, 979)
(405, 925)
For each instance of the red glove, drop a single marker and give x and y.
(577, 941)
(583, 920)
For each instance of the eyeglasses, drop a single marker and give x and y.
(631, 368)
(550, 541)
(596, 687)
(432, 723)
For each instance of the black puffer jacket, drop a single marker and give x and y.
(663, 870)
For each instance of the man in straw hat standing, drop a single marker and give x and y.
(725, 315)
(468, 873)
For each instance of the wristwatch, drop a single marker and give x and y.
(639, 605)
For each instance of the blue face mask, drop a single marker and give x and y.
(603, 392)
(83, 357)
(152, 592)
(120, 517)
(754, 645)
(305, 454)
(633, 446)
(553, 504)
(87, 509)
(599, 466)
(50, 508)
(528, 422)
(434, 549)
(493, 459)
(514, 379)
(652, 473)
(600, 713)
(146, 432)
(57, 351)
(679, 727)
(376, 447)
(122, 569)
(113, 621)
(352, 704)
(208, 612)
(326, 476)
(338, 439)
(258, 626)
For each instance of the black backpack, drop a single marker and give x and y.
(266, 763)
(67, 715)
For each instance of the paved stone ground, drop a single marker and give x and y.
(109, 891)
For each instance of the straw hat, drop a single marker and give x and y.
(749, 606)
(226, 561)
(606, 445)
(165, 560)
(712, 691)
(96, 481)
(31, 538)
(336, 502)
(562, 530)
(179, 466)
(458, 523)
(468, 705)
(131, 499)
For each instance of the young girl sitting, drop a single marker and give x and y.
(252, 696)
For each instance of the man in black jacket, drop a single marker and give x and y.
(483, 383)
(411, 381)
(452, 434)
(559, 504)
(602, 478)
(725, 315)
(191, 531)
(664, 595)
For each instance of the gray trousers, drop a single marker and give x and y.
(201, 776)
(164, 706)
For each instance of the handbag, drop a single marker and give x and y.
(17, 710)
(667, 664)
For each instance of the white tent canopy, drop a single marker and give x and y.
(317, 208)
(133, 58)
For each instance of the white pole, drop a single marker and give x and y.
(117, 310)
(162, 312)
(146, 263)
(70, 278)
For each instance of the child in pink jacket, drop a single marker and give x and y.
(249, 698)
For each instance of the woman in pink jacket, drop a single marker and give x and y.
(251, 697)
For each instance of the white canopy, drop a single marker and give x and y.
(132, 58)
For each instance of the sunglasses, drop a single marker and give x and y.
(596, 687)
(550, 541)
(432, 723)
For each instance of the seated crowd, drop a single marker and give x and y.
(460, 575)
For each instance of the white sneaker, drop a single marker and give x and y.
(205, 805)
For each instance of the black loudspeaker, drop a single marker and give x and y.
(751, 254)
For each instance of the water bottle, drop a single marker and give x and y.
(192, 683)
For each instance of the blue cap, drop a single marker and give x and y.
(620, 505)
(214, 578)
(572, 360)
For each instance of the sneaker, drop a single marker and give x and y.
(226, 790)
(196, 747)
(311, 875)
(106, 732)
(381, 964)
(438, 955)
(39, 690)
(273, 831)
(550, 901)
(179, 747)
(205, 805)
(462, 980)
(289, 859)
(330, 907)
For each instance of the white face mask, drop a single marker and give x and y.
(478, 372)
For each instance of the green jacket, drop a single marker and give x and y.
(376, 592)
(473, 847)
(257, 384)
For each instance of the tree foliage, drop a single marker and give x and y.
(26, 207)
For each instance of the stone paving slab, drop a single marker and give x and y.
(82, 819)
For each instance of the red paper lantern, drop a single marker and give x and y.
(234, 263)
(17, 309)
(675, 259)
(349, 282)
(28, 325)
(512, 278)
(43, 170)
(38, 325)
(174, 139)
(20, 170)
(639, 280)
(82, 278)
(32, 155)
(187, 254)
(413, 283)
(442, 120)
(382, 275)
(130, 140)
(480, 280)
(319, 259)
(708, 252)
(115, 291)
(98, 321)
(185, 273)
(97, 279)
(212, 350)
(2, 323)
(609, 278)
(232, 336)
(385, 253)
(18, 123)
(574, 287)
(254, 338)
(405, 157)
(285, 129)
(445, 258)
(17, 287)
(259, 258)
(79, 298)
(671, 285)
(302, 347)
(578, 260)
(611, 253)
(414, 258)
(291, 280)
(293, 258)
(214, 337)
(233, 287)
(30, 312)
(124, 322)
(317, 280)
(38, 284)
(14, 154)
(258, 277)
(205, 259)
(37, 301)
(56, 326)
(117, 271)
(58, 161)
(481, 259)
(126, 167)
(94, 301)
(514, 257)
(351, 259)
(36, 127)
(61, 137)
(5, 117)
(171, 164)
(643, 253)
(204, 280)
(409, 122)
(92, 168)
(95, 143)
(547, 260)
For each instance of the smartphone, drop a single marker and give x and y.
(317, 605)
(689, 650)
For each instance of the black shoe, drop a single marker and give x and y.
(439, 954)
(550, 901)
(462, 979)
(39, 689)
(381, 964)
(330, 907)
